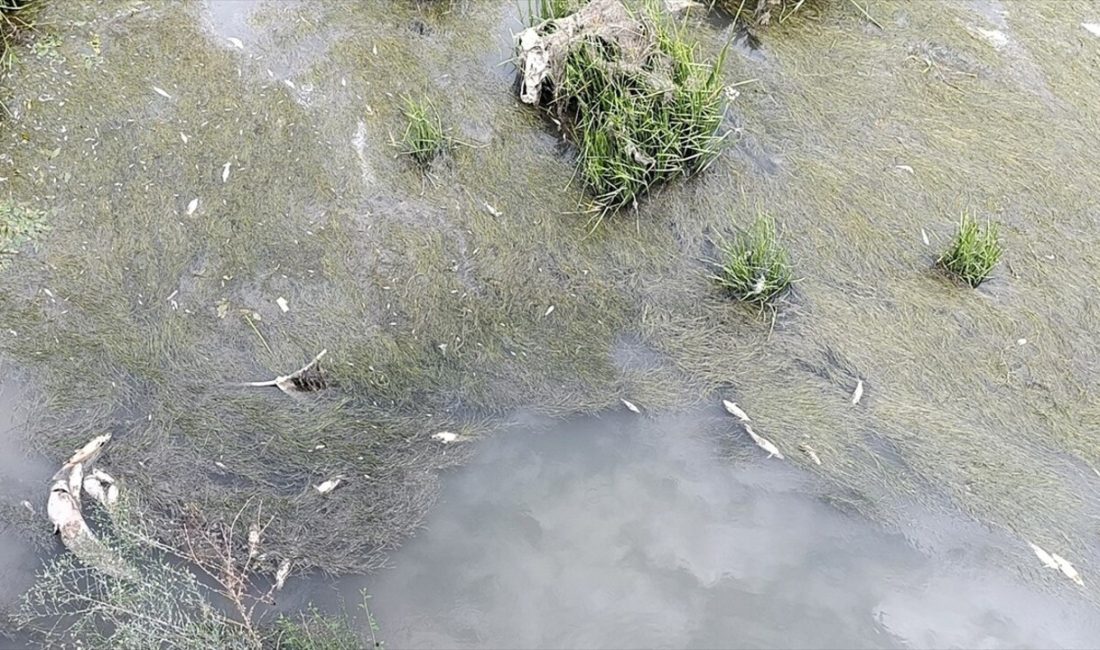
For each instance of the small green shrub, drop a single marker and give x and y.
(540, 10)
(973, 253)
(755, 267)
(313, 630)
(424, 138)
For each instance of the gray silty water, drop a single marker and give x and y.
(623, 532)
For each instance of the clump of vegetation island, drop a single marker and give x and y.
(973, 253)
(754, 267)
(425, 137)
(630, 93)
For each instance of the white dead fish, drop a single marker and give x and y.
(235, 42)
(1021, 341)
(76, 481)
(225, 171)
(493, 211)
(283, 304)
(446, 437)
(549, 310)
(161, 92)
(811, 453)
(27, 504)
(253, 540)
(904, 168)
(282, 573)
(676, 6)
(88, 452)
(100, 486)
(328, 486)
(758, 285)
(857, 394)
(735, 411)
(630, 406)
(183, 136)
(1067, 569)
(192, 206)
(1043, 556)
(1092, 28)
(763, 443)
(61, 507)
(924, 237)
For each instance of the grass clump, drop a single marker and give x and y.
(19, 225)
(631, 94)
(973, 253)
(425, 138)
(15, 19)
(755, 267)
(540, 10)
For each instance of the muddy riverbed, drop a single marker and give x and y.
(198, 162)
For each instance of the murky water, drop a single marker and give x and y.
(625, 532)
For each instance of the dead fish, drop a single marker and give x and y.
(282, 573)
(28, 506)
(161, 92)
(235, 42)
(630, 406)
(924, 237)
(811, 453)
(225, 171)
(100, 486)
(1092, 28)
(493, 211)
(857, 394)
(445, 437)
(253, 540)
(76, 481)
(61, 507)
(183, 136)
(904, 168)
(89, 451)
(763, 443)
(735, 411)
(1043, 556)
(328, 486)
(192, 206)
(306, 379)
(758, 286)
(282, 304)
(549, 310)
(1067, 569)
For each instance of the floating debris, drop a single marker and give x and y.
(735, 411)
(253, 540)
(225, 172)
(235, 42)
(630, 406)
(763, 442)
(809, 451)
(994, 38)
(282, 304)
(328, 486)
(905, 168)
(549, 310)
(27, 504)
(192, 206)
(493, 211)
(1092, 28)
(306, 379)
(676, 6)
(183, 136)
(857, 394)
(924, 237)
(161, 92)
(1021, 341)
(446, 437)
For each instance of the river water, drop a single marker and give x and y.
(623, 532)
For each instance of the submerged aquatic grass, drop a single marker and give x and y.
(425, 137)
(755, 267)
(641, 112)
(541, 10)
(974, 251)
(19, 225)
(16, 16)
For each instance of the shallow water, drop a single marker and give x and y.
(135, 316)
(623, 532)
